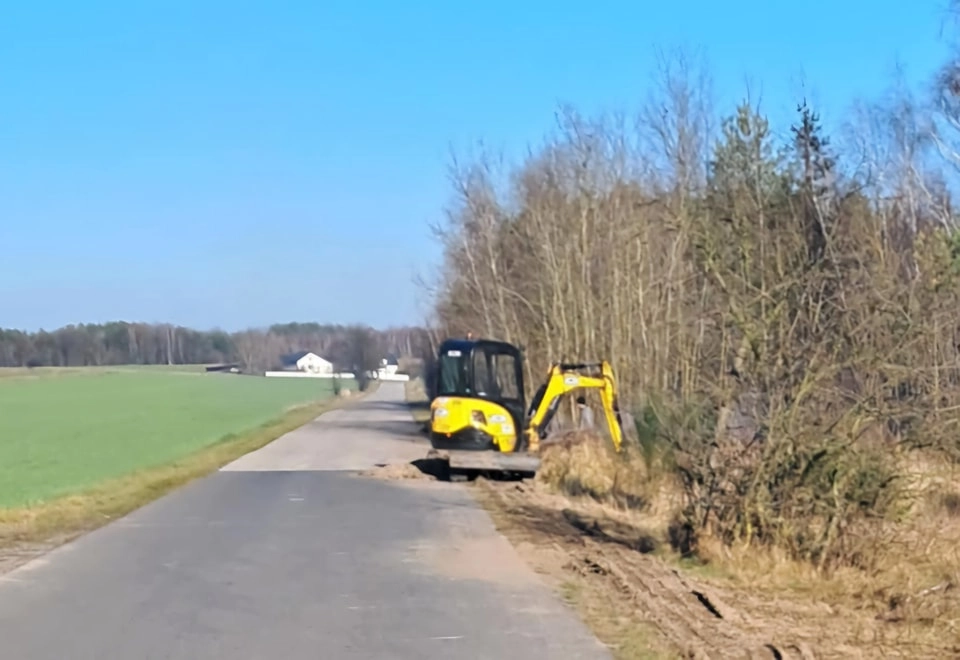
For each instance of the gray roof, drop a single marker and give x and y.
(291, 359)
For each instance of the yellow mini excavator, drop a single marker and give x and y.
(478, 420)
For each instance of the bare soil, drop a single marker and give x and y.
(431, 469)
(395, 472)
(638, 601)
(604, 547)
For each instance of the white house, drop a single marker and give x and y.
(388, 370)
(306, 361)
(389, 366)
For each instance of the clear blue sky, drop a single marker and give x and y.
(222, 164)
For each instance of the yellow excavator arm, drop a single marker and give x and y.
(565, 378)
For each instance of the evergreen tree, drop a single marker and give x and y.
(817, 180)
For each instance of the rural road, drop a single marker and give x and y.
(290, 553)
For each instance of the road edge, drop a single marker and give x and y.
(28, 532)
(624, 637)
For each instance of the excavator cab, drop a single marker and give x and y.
(479, 396)
(478, 418)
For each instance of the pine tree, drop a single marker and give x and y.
(817, 181)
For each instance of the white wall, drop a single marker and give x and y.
(306, 374)
(314, 363)
(381, 374)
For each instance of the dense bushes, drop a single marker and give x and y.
(782, 328)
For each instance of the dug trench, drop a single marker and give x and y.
(617, 568)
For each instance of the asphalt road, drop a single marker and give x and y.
(288, 553)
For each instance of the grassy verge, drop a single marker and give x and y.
(65, 434)
(66, 517)
(903, 604)
(627, 636)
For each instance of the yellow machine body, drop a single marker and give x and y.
(478, 418)
(471, 423)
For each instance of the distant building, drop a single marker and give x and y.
(306, 361)
(389, 365)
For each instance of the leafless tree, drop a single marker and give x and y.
(776, 320)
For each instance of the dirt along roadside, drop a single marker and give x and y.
(637, 604)
(635, 601)
(617, 568)
(614, 563)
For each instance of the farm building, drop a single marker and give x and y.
(389, 370)
(389, 365)
(306, 361)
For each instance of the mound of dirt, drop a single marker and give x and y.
(396, 472)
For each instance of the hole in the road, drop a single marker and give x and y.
(440, 470)
(437, 468)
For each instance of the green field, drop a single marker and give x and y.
(62, 431)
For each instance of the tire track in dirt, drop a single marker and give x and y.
(692, 616)
(695, 619)
(611, 558)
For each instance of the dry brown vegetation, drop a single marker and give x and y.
(614, 541)
(416, 397)
(783, 327)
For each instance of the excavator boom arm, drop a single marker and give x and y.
(565, 378)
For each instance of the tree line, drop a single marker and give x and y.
(781, 307)
(348, 346)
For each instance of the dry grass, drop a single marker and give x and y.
(905, 605)
(629, 637)
(547, 543)
(416, 396)
(912, 580)
(584, 463)
(62, 519)
(636, 602)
